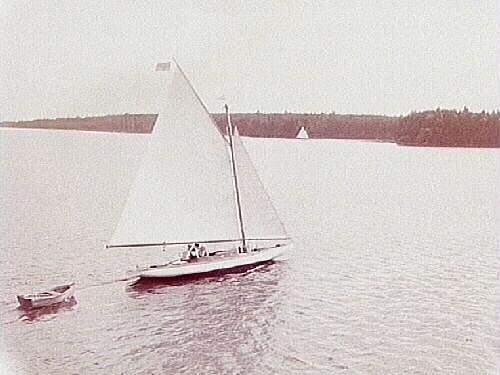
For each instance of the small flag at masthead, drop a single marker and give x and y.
(163, 67)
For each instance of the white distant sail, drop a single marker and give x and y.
(302, 134)
(184, 189)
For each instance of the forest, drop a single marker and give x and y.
(438, 128)
(449, 128)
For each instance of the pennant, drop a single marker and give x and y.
(163, 67)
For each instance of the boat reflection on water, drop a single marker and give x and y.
(147, 284)
(221, 318)
(33, 314)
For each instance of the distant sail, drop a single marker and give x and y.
(302, 134)
(184, 188)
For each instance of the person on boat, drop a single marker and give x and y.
(186, 255)
(202, 251)
(195, 251)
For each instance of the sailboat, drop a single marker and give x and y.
(198, 192)
(302, 134)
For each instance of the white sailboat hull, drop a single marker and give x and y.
(213, 263)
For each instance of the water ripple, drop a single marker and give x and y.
(395, 268)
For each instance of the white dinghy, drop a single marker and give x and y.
(198, 191)
(54, 296)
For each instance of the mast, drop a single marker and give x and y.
(235, 176)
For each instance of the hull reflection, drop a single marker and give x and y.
(32, 315)
(145, 284)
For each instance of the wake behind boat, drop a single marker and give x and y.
(199, 189)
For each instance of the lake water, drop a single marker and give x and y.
(395, 268)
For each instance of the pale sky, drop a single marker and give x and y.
(80, 58)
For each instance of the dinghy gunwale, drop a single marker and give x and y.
(50, 297)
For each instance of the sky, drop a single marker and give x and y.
(82, 58)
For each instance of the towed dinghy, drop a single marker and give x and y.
(59, 294)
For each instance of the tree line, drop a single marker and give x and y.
(443, 128)
(449, 128)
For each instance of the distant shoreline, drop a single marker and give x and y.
(438, 128)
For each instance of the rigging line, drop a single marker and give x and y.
(235, 176)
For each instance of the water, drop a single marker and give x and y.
(395, 269)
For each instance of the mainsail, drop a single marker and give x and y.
(183, 191)
(186, 186)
